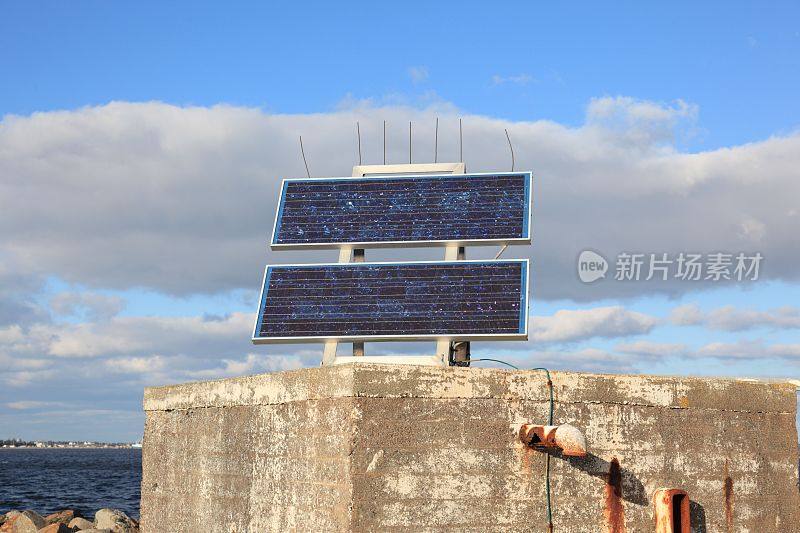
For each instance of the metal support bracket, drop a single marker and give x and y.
(445, 348)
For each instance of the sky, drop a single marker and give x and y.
(142, 147)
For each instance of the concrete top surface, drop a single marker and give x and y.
(396, 381)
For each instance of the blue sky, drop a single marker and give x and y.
(141, 147)
(738, 61)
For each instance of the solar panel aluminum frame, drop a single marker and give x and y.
(525, 239)
(523, 336)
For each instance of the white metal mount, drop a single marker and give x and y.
(347, 255)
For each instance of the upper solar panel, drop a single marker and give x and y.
(465, 300)
(395, 210)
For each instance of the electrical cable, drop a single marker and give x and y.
(548, 497)
(546, 371)
(494, 361)
(547, 456)
(550, 386)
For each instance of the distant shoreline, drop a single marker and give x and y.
(128, 447)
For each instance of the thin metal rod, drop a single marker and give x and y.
(512, 151)
(384, 142)
(409, 142)
(358, 130)
(302, 151)
(460, 142)
(502, 249)
(436, 142)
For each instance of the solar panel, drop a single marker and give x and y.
(465, 300)
(392, 210)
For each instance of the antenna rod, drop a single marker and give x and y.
(409, 142)
(512, 150)
(304, 156)
(358, 130)
(436, 142)
(502, 249)
(384, 142)
(460, 142)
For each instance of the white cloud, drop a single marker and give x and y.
(129, 335)
(19, 287)
(24, 405)
(11, 334)
(180, 367)
(575, 325)
(136, 365)
(95, 306)
(20, 361)
(752, 230)
(181, 200)
(749, 349)
(252, 363)
(730, 318)
(418, 74)
(25, 378)
(634, 110)
(581, 360)
(517, 79)
(653, 350)
(787, 351)
(130, 351)
(686, 315)
(641, 122)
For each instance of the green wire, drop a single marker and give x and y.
(495, 361)
(549, 381)
(550, 386)
(549, 423)
(547, 458)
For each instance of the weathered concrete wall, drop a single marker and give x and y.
(387, 448)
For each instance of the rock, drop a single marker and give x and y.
(61, 517)
(28, 522)
(116, 521)
(58, 527)
(8, 521)
(96, 531)
(79, 524)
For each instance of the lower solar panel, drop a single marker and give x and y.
(467, 300)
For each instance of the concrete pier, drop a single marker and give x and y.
(401, 448)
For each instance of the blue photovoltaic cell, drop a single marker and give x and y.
(451, 207)
(463, 299)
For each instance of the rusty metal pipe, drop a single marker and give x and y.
(671, 509)
(566, 437)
